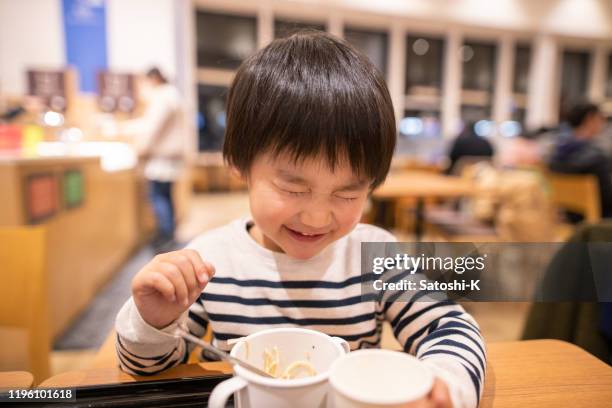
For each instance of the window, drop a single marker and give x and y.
(609, 79)
(223, 40)
(522, 62)
(475, 113)
(374, 44)
(574, 77)
(211, 117)
(478, 66)
(420, 135)
(424, 64)
(520, 88)
(479, 60)
(284, 28)
(420, 124)
(424, 70)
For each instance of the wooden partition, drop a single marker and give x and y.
(78, 246)
(87, 246)
(25, 338)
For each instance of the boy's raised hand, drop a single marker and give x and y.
(165, 287)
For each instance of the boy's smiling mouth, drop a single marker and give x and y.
(304, 236)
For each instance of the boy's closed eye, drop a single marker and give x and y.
(346, 195)
(291, 188)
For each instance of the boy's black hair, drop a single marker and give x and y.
(311, 95)
(579, 112)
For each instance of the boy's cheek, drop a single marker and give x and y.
(270, 207)
(356, 211)
(350, 216)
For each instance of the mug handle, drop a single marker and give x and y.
(224, 390)
(343, 343)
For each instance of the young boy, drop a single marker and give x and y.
(310, 127)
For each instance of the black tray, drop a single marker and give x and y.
(183, 392)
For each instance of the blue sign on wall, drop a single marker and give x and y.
(85, 36)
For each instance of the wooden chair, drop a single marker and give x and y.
(578, 193)
(448, 224)
(24, 322)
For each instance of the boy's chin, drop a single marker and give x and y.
(302, 254)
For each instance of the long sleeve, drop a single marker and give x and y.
(145, 350)
(446, 338)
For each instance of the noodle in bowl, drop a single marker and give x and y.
(295, 352)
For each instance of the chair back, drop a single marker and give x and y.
(578, 193)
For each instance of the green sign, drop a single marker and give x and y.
(73, 188)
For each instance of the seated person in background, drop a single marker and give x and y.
(523, 150)
(577, 153)
(468, 144)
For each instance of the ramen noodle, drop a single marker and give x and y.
(272, 365)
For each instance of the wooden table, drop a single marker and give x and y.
(542, 373)
(421, 185)
(15, 379)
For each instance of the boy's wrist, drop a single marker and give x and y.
(141, 330)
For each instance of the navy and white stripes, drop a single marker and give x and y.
(255, 289)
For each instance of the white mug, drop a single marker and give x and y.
(379, 378)
(294, 344)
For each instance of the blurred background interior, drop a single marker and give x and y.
(486, 94)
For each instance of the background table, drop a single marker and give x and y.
(421, 185)
(542, 373)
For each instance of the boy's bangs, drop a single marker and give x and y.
(317, 131)
(311, 96)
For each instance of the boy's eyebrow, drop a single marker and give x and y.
(356, 185)
(293, 178)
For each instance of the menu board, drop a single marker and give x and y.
(50, 87)
(41, 191)
(116, 92)
(73, 188)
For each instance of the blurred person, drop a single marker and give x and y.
(524, 150)
(468, 144)
(160, 143)
(577, 153)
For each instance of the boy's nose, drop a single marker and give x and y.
(316, 219)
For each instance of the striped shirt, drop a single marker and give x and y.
(255, 289)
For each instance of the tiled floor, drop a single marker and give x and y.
(498, 321)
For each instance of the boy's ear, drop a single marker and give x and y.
(237, 173)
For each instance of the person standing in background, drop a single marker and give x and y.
(160, 143)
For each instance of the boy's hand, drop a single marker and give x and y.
(439, 397)
(165, 287)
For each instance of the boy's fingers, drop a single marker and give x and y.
(175, 276)
(210, 269)
(181, 261)
(198, 265)
(163, 285)
(189, 274)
